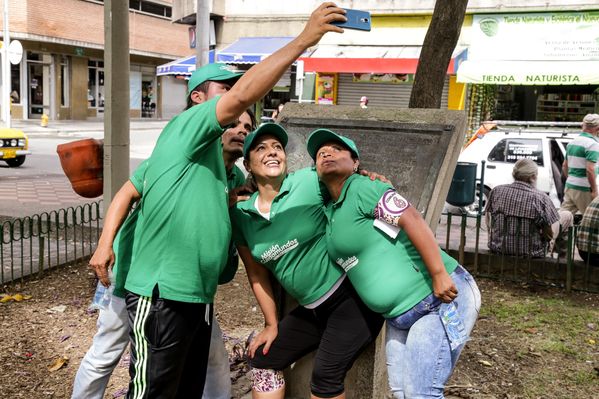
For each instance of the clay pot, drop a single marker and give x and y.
(83, 163)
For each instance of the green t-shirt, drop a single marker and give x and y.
(388, 274)
(183, 239)
(291, 244)
(125, 238)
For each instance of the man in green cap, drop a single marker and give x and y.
(184, 235)
(114, 250)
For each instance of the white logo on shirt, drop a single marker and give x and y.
(276, 251)
(348, 263)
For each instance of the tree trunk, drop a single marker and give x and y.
(439, 43)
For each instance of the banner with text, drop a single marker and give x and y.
(557, 36)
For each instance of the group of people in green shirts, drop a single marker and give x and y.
(353, 253)
(350, 250)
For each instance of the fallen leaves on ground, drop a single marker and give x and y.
(16, 297)
(58, 364)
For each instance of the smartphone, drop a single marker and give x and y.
(356, 19)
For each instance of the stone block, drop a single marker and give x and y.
(417, 149)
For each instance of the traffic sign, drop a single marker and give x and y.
(15, 52)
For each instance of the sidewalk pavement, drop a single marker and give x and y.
(42, 192)
(82, 128)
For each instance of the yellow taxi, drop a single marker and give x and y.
(14, 146)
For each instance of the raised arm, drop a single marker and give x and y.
(118, 210)
(262, 77)
(258, 277)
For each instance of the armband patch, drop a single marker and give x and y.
(390, 207)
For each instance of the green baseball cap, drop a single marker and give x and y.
(266, 128)
(320, 136)
(214, 72)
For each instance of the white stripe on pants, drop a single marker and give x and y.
(110, 342)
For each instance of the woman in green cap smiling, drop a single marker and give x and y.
(395, 264)
(281, 229)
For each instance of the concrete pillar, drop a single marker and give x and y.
(417, 149)
(78, 94)
(116, 108)
(202, 33)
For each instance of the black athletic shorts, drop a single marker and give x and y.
(338, 329)
(170, 343)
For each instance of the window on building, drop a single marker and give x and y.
(146, 6)
(95, 85)
(64, 81)
(92, 88)
(15, 83)
(150, 7)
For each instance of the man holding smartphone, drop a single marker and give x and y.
(185, 232)
(111, 338)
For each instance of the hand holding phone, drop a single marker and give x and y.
(356, 19)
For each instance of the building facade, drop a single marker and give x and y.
(61, 73)
(380, 64)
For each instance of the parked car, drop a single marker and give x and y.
(14, 147)
(501, 143)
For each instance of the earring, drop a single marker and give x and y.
(355, 169)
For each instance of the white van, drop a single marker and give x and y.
(508, 141)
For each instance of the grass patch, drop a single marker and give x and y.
(559, 347)
(557, 326)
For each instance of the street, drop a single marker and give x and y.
(39, 184)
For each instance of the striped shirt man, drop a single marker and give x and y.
(580, 163)
(583, 149)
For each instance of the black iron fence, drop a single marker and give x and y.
(466, 238)
(33, 244)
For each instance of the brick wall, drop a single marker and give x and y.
(83, 21)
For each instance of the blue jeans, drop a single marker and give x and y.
(419, 358)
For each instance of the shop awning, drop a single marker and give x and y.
(183, 66)
(251, 50)
(529, 72)
(367, 59)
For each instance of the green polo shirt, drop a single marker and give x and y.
(388, 274)
(125, 238)
(235, 178)
(291, 244)
(183, 239)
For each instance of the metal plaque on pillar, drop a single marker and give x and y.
(417, 149)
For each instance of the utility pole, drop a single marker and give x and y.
(6, 70)
(202, 33)
(117, 98)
